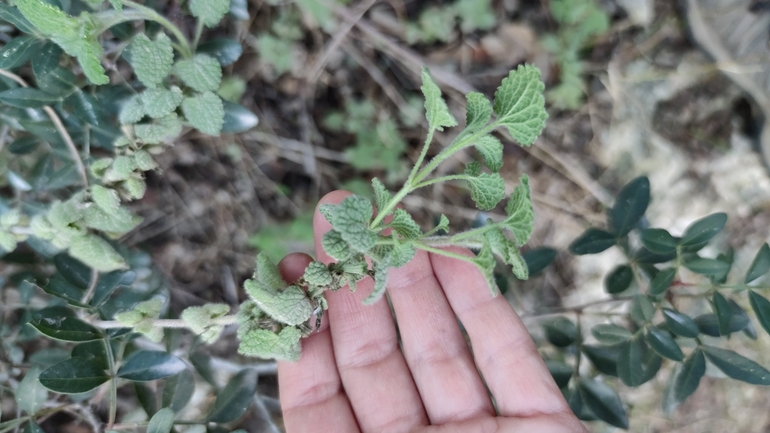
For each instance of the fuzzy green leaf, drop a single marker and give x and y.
(335, 246)
(163, 129)
(205, 112)
(161, 102)
(478, 112)
(210, 12)
(76, 36)
(267, 273)
(404, 225)
(380, 284)
(400, 255)
(487, 189)
(203, 72)
(491, 149)
(96, 253)
(132, 110)
(351, 219)
(262, 343)
(152, 60)
(317, 274)
(521, 215)
(290, 306)
(436, 110)
(520, 105)
(381, 194)
(485, 261)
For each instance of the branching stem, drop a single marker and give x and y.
(164, 323)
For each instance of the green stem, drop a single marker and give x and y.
(453, 148)
(445, 253)
(113, 383)
(442, 179)
(165, 323)
(198, 33)
(151, 15)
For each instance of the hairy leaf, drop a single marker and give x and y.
(351, 219)
(317, 274)
(478, 111)
(96, 253)
(436, 111)
(152, 60)
(335, 246)
(202, 72)
(485, 261)
(132, 110)
(290, 306)
(262, 343)
(381, 194)
(404, 225)
(163, 129)
(210, 12)
(205, 112)
(161, 102)
(487, 189)
(520, 105)
(491, 150)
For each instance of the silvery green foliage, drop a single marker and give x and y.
(279, 313)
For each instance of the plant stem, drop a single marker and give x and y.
(442, 179)
(198, 33)
(454, 147)
(113, 383)
(59, 127)
(164, 323)
(444, 253)
(150, 15)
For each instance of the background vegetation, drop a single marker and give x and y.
(635, 99)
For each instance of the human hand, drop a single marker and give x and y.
(353, 376)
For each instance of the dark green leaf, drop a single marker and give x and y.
(560, 371)
(592, 241)
(13, 16)
(680, 324)
(703, 230)
(33, 427)
(659, 241)
(760, 265)
(84, 106)
(61, 288)
(161, 422)
(59, 82)
(723, 312)
(686, 382)
(737, 366)
(761, 307)
(73, 376)
(24, 145)
(630, 206)
(18, 50)
(237, 118)
(202, 363)
(147, 396)
(727, 259)
(94, 350)
(225, 50)
(707, 266)
(619, 279)
(239, 9)
(46, 60)
(178, 390)
(608, 333)
(643, 255)
(538, 258)
(662, 281)
(66, 328)
(642, 309)
(73, 270)
(560, 331)
(662, 343)
(604, 358)
(108, 283)
(27, 97)
(709, 324)
(146, 365)
(631, 369)
(235, 398)
(603, 402)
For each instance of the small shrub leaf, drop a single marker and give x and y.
(630, 206)
(619, 279)
(658, 241)
(604, 402)
(592, 241)
(608, 333)
(147, 365)
(152, 60)
(760, 265)
(703, 230)
(205, 112)
(736, 366)
(688, 379)
(436, 111)
(235, 398)
(478, 111)
(202, 72)
(520, 105)
(662, 343)
(73, 376)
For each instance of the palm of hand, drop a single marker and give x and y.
(353, 376)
